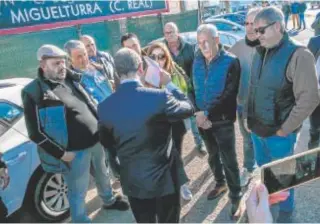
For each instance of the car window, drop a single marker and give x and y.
(223, 26)
(9, 113)
(224, 39)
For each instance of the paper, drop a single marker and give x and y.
(152, 75)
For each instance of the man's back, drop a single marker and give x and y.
(135, 123)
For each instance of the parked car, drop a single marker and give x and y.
(227, 39)
(315, 4)
(233, 17)
(228, 26)
(243, 13)
(44, 193)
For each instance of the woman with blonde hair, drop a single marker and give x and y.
(159, 52)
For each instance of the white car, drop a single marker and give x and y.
(228, 26)
(45, 194)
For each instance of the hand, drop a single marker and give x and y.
(5, 177)
(281, 133)
(258, 208)
(68, 156)
(252, 202)
(206, 125)
(200, 118)
(165, 78)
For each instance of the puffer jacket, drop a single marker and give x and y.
(216, 85)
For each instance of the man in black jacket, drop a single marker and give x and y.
(135, 123)
(182, 53)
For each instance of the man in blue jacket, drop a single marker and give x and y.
(216, 75)
(295, 14)
(302, 10)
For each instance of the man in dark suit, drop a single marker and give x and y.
(135, 124)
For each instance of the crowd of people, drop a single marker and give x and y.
(86, 107)
(296, 10)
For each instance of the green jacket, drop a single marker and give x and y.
(180, 79)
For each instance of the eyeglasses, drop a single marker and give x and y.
(262, 30)
(157, 57)
(247, 24)
(169, 32)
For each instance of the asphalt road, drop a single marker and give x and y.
(199, 210)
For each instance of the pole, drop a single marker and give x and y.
(199, 12)
(183, 6)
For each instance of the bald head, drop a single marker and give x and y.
(171, 32)
(127, 63)
(90, 45)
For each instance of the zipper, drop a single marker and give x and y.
(263, 62)
(205, 81)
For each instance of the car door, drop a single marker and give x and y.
(17, 154)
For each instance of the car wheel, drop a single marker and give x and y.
(50, 197)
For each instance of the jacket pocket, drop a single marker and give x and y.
(51, 164)
(53, 125)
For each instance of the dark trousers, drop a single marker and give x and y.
(302, 21)
(314, 128)
(220, 143)
(165, 209)
(178, 132)
(3, 211)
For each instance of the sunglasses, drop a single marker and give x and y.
(262, 30)
(157, 57)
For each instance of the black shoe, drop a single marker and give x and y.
(285, 217)
(120, 204)
(217, 191)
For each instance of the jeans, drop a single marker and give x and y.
(314, 128)
(220, 143)
(195, 132)
(302, 21)
(274, 148)
(78, 178)
(248, 152)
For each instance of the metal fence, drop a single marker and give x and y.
(18, 52)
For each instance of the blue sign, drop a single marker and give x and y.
(27, 16)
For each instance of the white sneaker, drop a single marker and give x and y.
(245, 177)
(185, 192)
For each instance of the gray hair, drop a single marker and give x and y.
(270, 15)
(253, 11)
(208, 28)
(73, 44)
(127, 62)
(173, 25)
(87, 37)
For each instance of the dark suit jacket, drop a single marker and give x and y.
(135, 125)
(314, 46)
